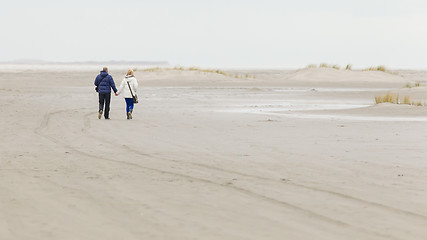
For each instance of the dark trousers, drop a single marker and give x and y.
(105, 97)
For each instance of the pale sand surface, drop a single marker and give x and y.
(286, 155)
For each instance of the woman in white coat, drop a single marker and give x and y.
(128, 82)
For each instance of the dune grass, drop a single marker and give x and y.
(334, 66)
(396, 99)
(196, 69)
(408, 85)
(155, 69)
(378, 68)
(419, 104)
(388, 98)
(324, 65)
(349, 67)
(407, 100)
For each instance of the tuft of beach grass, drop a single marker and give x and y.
(395, 99)
(408, 85)
(324, 65)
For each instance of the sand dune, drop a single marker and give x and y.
(280, 156)
(330, 75)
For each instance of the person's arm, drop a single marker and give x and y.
(113, 85)
(135, 85)
(96, 81)
(122, 84)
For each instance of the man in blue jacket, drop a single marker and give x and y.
(105, 82)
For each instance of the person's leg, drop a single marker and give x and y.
(101, 98)
(107, 105)
(129, 106)
(101, 101)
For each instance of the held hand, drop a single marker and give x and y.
(116, 94)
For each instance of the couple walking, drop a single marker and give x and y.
(104, 83)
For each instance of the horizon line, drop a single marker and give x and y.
(167, 63)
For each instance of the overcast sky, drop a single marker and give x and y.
(220, 33)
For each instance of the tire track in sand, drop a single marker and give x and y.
(307, 212)
(210, 168)
(46, 120)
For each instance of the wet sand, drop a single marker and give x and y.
(284, 155)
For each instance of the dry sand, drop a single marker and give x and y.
(285, 155)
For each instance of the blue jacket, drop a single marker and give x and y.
(106, 84)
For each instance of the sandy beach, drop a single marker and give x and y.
(280, 154)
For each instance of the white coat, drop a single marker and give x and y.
(124, 88)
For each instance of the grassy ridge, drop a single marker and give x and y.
(324, 65)
(196, 69)
(396, 99)
(380, 68)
